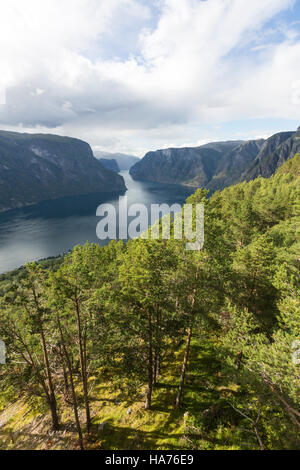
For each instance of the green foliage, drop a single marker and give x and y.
(115, 320)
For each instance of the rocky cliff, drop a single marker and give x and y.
(213, 165)
(233, 164)
(36, 167)
(218, 164)
(110, 164)
(274, 153)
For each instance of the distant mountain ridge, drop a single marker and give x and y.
(234, 163)
(274, 153)
(124, 161)
(217, 165)
(37, 167)
(191, 166)
(110, 164)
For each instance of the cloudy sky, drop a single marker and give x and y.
(138, 75)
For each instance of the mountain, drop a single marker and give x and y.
(274, 153)
(223, 147)
(37, 167)
(218, 164)
(233, 163)
(193, 167)
(124, 161)
(111, 165)
(214, 165)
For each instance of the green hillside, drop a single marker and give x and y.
(150, 346)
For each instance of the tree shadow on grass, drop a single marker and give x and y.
(201, 381)
(125, 438)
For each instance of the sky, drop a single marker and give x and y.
(138, 75)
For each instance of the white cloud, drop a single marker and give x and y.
(102, 70)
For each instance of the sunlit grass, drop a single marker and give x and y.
(129, 425)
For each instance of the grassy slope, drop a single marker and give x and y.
(24, 423)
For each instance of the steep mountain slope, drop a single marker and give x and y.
(194, 167)
(214, 165)
(124, 161)
(111, 165)
(234, 163)
(274, 153)
(36, 167)
(223, 147)
(218, 164)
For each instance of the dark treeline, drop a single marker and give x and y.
(120, 311)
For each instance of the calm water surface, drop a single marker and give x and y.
(53, 227)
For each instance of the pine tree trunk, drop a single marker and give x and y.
(156, 365)
(65, 373)
(83, 367)
(291, 411)
(154, 381)
(261, 444)
(188, 342)
(184, 367)
(52, 398)
(66, 382)
(74, 397)
(51, 395)
(150, 365)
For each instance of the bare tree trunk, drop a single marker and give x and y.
(156, 362)
(65, 374)
(188, 341)
(291, 411)
(83, 366)
(74, 397)
(261, 445)
(158, 365)
(184, 367)
(52, 398)
(43, 382)
(254, 424)
(154, 381)
(150, 364)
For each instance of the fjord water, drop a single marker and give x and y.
(52, 228)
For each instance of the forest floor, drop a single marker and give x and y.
(204, 421)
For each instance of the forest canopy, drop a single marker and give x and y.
(204, 342)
